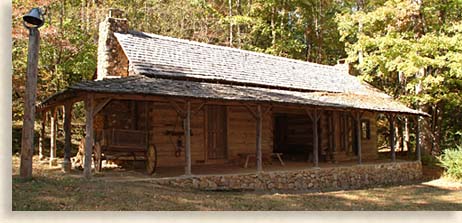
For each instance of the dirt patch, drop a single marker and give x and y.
(431, 172)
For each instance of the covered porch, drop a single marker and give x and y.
(177, 119)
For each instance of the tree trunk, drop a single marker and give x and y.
(406, 137)
(239, 12)
(360, 6)
(391, 120)
(417, 140)
(397, 135)
(273, 26)
(319, 32)
(437, 128)
(426, 134)
(230, 15)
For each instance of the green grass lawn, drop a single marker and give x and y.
(51, 190)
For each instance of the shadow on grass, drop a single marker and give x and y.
(52, 190)
(70, 193)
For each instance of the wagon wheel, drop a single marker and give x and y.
(151, 159)
(98, 157)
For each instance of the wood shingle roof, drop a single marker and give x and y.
(159, 56)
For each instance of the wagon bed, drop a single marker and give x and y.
(122, 143)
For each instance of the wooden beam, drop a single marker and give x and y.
(88, 136)
(252, 112)
(417, 139)
(134, 114)
(100, 106)
(315, 138)
(331, 136)
(201, 105)
(267, 109)
(259, 138)
(358, 135)
(343, 136)
(314, 116)
(53, 130)
(206, 133)
(147, 106)
(391, 119)
(66, 167)
(70, 98)
(42, 135)
(188, 138)
(308, 112)
(178, 109)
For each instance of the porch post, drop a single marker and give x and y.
(42, 134)
(187, 125)
(417, 139)
(53, 137)
(88, 136)
(406, 141)
(391, 119)
(332, 146)
(358, 136)
(258, 144)
(315, 138)
(66, 167)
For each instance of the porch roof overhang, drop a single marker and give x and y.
(149, 86)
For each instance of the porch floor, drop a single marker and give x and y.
(130, 173)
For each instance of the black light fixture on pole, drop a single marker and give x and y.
(32, 21)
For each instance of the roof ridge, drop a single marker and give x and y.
(152, 35)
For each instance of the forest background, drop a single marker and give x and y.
(411, 49)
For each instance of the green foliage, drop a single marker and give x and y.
(409, 49)
(451, 161)
(412, 51)
(429, 160)
(67, 52)
(297, 29)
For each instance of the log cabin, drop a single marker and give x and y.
(180, 103)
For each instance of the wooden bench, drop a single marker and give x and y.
(247, 157)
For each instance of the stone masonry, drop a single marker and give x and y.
(111, 58)
(312, 179)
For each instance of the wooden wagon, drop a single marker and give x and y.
(123, 143)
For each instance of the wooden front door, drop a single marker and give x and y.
(216, 132)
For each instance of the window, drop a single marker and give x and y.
(365, 129)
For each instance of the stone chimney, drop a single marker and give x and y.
(112, 61)
(343, 65)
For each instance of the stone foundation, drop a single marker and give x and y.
(333, 178)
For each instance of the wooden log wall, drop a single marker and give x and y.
(344, 149)
(242, 134)
(161, 118)
(369, 147)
